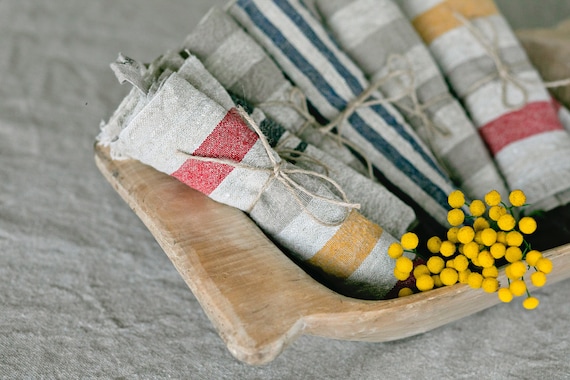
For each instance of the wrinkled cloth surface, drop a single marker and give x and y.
(86, 292)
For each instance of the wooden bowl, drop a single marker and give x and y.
(256, 297)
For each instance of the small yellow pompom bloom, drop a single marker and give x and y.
(460, 263)
(480, 224)
(518, 288)
(409, 241)
(498, 250)
(433, 244)
(532, 257)
(491, 272)
(464, 276)
(475, 260)
(506, 222)
(455, 217)
(437, 281)
(516, 270)
(513, 254)
(465, 234)
(477, 208)
(517, 198)
(456, 199)
(496, 212)
(424, 283)
(421, 270)
(452, 235)
(471, 250)
(531, 303)
(544, 265)
(502, 237)
(450, 264)
(505, 295)
(395, 250)
(490, 284)
(538, 279)
(404, 264)
(489, 236)
(514, 238)
(449, 276)
(475, 280)
(404, 292)
(435, 264)
(493, 198)
(402, 276)
(447, 248)
(477, 238)
(527, 225)
(485, 259)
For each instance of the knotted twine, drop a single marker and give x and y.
(505, 72)
(278, 171)
(369, 97)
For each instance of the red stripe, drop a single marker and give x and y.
(533, 119)
(231, 139)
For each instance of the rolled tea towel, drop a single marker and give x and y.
(184, 133)
(245, 69)
(381, 40)
(340, 93)
(505, 96)
(376, 202)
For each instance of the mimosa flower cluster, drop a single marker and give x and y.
(484, 235)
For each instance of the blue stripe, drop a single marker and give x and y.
(351, 80)
(292, 54)
(328, 92)
(399, 161)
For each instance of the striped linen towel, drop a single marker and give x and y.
(336, 88)
(245, 69)
(381, 40)
(184, 133)
(505, 96)
(376, 202)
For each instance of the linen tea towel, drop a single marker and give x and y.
(186, 134)
(505, 96)
(338, 90)
(376, 202)
(381, 40)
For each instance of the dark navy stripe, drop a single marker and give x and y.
(350, 79)
(399, 161)
(292, 54)
(336, 101)
(272, 131)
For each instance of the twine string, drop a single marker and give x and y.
(504, 71)
(278, 171)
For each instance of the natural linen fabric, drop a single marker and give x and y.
(331, 81)
(245, 69)
(376, 202)
(381, 40)
(505, 96)
(179, 124)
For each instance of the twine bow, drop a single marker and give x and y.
(504, 71)
(369, 97)
(281, 172)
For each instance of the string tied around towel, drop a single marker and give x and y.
(505, 71)
(280, 171)
(369, 97)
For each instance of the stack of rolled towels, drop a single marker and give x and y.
(338, 126)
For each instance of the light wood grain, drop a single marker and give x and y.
(257, 298)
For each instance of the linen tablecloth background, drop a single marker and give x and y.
(86, 292)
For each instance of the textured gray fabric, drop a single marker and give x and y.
(86, 292)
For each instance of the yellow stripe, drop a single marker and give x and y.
(349, 246)
(440, 19)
